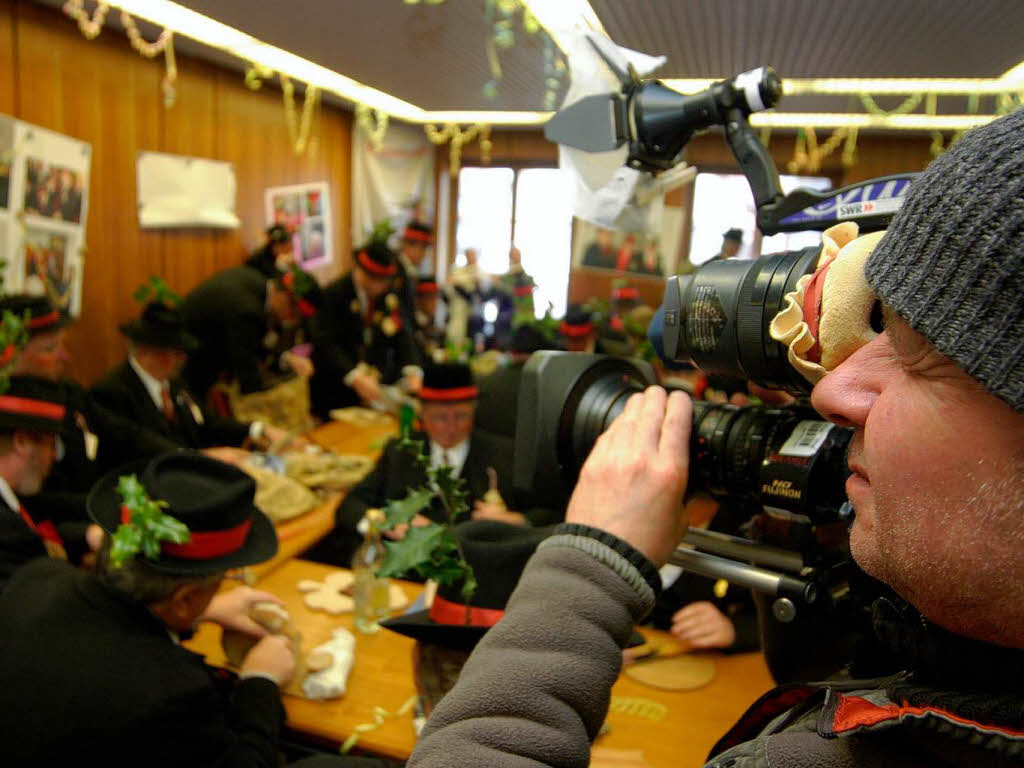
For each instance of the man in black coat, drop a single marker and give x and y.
(498, 410)
(276, 255)
(97, 440)
(362, 321)
(237, 315)
(32, 417)
(146, 387)
(92, 669)
(449, 401)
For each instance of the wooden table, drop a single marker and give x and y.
(382, 676)
(300, 533)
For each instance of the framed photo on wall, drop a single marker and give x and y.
(305, 210)
(635, 253)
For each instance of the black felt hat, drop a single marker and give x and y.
(43, 316)
(376, 258)
(34, 403)
(448, 383)
(736, 235)
(213, 499)
(577, 322)
(427, 286)
(528, 339)
(160, 325)
(498, 553)
(278, 233)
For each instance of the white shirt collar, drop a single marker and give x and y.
(154, 386)
(8, 496)
(456, 455)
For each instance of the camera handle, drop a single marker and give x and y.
(870, 203)
(788, 590)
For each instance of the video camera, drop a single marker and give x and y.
(787, 460)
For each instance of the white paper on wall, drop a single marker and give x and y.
(177, 191)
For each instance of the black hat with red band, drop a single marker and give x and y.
(418, 232)
(377, 259)
(427, 286)
(43, 316)
(35, 404)
(577, 322)
(498, 553)
(448, 383)
(213, 499)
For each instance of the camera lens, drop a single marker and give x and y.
(783, 458)
(718, 318)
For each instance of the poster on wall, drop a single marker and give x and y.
(305, 210)
(44, 199)
(634, 253)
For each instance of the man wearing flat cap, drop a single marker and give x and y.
(146, 387)
(363, 321)
(732, 240)
(32, 417)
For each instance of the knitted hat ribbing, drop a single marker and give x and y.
(952, 261)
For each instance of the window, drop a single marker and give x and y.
(530, 207)
(723, 201)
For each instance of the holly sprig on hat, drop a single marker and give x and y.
(13, 338)
(155, 289)
(431, 550)
(148, 526)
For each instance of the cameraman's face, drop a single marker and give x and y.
(938, 483)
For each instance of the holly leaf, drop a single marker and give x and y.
(124, 544)
(416, 548)
(404, 510)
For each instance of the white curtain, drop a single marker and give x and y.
(394, 182)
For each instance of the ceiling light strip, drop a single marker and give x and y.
(851, 120)
(874, 86)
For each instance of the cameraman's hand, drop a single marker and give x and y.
(702, 625)
(632, 484)
(272, 658)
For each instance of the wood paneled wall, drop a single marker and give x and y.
(103, 92)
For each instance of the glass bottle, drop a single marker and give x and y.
(371, 597)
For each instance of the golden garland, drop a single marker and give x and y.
(379, 716)
(299, 129)
(808, 154)
(907, 106)
(374, 123)
(90, 26)
(163, 44)
(456, 138)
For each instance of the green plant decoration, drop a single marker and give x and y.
(13, 338)
(156, 290)
(148, 526)
(432, 551)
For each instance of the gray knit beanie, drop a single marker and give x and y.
(952, 261)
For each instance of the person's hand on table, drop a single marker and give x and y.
(701, 625)
(632, 483)
(367, 387)
(272, 657)
(301, 366)
(275, 435)
(227, 454)
(398, 532)
(483, 510)
(230, 609)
